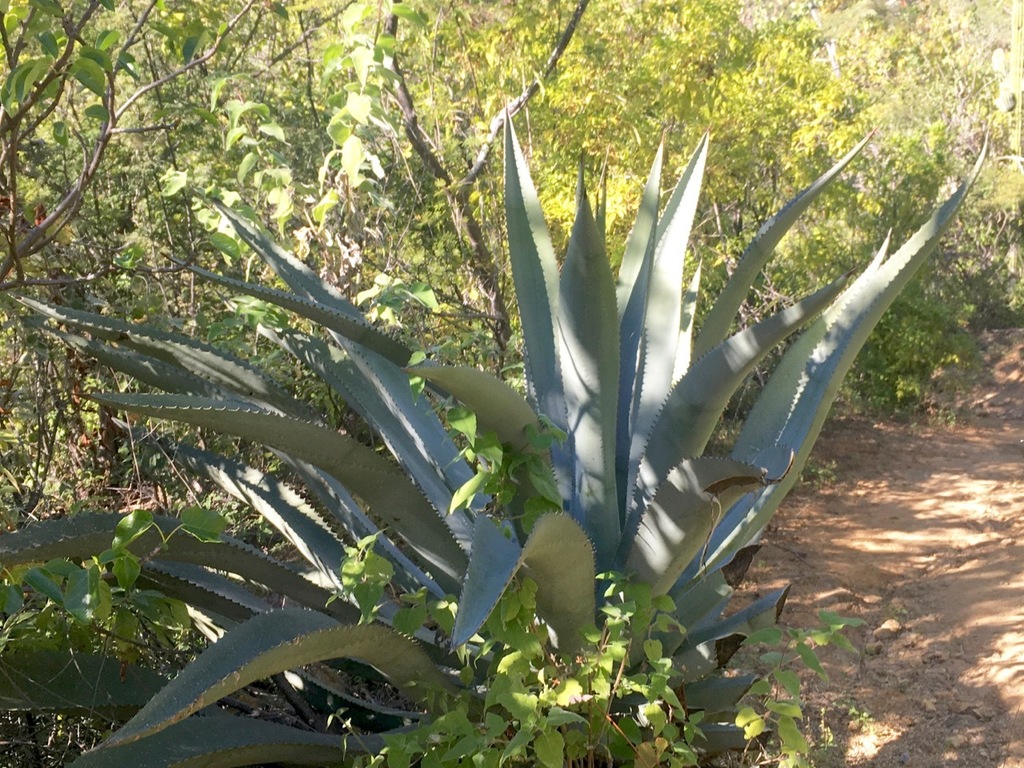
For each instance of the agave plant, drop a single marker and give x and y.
(612, 365)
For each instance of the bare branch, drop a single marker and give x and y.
(498, 121)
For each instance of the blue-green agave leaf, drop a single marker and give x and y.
(792, 408)
(588, 336)
(677, 523)
(198, 358)
(641, 237)
(684, 353)
(695, 404)
(74, 683)
(202, 589)
(388, 492)
(718, 738)
(342, 321)
(379, 391)
(557, 555)
(720, 317)
(535, 275)
(715, 695)
(498, 407)
(279, 504)
(274, 642)
(224, 741)
(661, 301)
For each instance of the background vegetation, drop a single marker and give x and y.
(363, 132)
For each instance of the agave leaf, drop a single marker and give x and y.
(715, 695)
(590, 371)
(497, 406)
(278, 504)
(683, 354)
(223, 741)
(83, 535)
(650, 329)
(719, 319)
(196, 357)
(794, 404)
(557, 555)
(641, 237)
(695, 404)
(388, 491)
(677, 523)
(345, 512)
(276, 641)
(379, 391)
(344, 323)
(535, 275)
(204, 590)
(74, 683)
(717, 738)
(763, 612)
(148, 370)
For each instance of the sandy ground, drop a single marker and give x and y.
(918, 530)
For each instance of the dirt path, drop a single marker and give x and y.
(921, 535)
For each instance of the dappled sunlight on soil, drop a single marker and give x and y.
(921, 535)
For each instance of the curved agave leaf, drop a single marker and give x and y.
(793, 405)
(717, 738)
(351, 520)
(202, 589)
(83, 535)
(557, 555)
(149, 370)
(588, 339)
(276, 641)
(223, 741)
(497, 406)
(196, 357)
(278, 504)
(717, 696)
(535, 275)
(379, 391)
(388, 491)
(762, 613)
(351, 326)
(677, 523)
(720, 317)
(650, 328)
(74, 683)
(695, 404)
(641, 239)
(683, 355)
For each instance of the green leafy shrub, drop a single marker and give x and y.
(598, 470)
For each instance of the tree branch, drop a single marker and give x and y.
(498, 121)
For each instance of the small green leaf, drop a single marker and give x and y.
(90, 74)
(787, 708)
(97, 112)
(42, 581)
(225, 244)
(788, 680)
(414, 17)
(106, 39)
(274, 131)
(173, 182)
(753, 724)
(468, 490)
(810, 658)
(126, 570)
(203, 523)
(558, 717)
(131, 527)
(359, 106)
(790, 736)
(82, 597)
(463, 421)
(352, 157)
(653, 650)
(247, 164)
(550, 749)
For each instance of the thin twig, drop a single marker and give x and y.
(514, 106)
